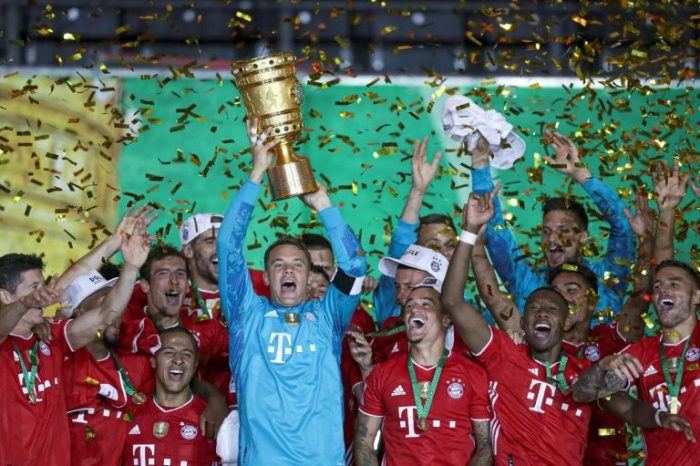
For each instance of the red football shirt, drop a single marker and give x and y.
(35, 434)
(171, 436)
(607, 434)
(99, 420)
(534, 423)
(461, 397)
(664, 446)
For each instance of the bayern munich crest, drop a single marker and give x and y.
(592, 353)
(188, 432)
(46, 351)
(455, 390)
(693, 354)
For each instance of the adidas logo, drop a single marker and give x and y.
(651, 370)
(395, 349)
(534, 371)
(271, 313)
(135, 430)
(398, 391)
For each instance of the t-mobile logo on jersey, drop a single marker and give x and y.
(540, 395)
(143, 455)
(409, 422)
(281, 346)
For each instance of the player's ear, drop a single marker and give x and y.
(153, 362)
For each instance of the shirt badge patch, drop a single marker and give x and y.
(160, 429)
(455, 390)
(592, 353)
(309, 316)
(45, 350)
(292, 318)
(188, 432)
(693, 354)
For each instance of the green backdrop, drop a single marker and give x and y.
(190, 154)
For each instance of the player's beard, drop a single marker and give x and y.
(204, 269)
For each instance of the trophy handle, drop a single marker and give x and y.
(291, 175)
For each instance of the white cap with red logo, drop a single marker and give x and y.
(197, 225)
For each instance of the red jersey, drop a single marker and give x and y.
(99, 409)
(461, 396)
(34, 434)
(350, 373)
(169, 436)
(192, 310)
(607, 434)
(534, 422)
(663, 446)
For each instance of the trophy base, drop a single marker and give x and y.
(291, 179)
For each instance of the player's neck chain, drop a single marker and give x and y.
(673, 385)
(29, 375)
(423, 409)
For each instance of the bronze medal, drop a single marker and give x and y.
(160, 429)
(423, 424)
(291, 318)
(139, 398)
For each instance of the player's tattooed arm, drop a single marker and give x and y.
(483, 455)
(366, 428)
(611, 375)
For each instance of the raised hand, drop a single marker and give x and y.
(317, 200)
(132, 215)
(480, 154)
(669, 185)
(135, 247)
(642, 221)
(422, 171)
(369, 284)
(566, 158)
(41, 297)
(478, 210)
(262, 149)
(624, 365)
(360, 349)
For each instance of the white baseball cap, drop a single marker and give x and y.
(198, 224)
(84, 286)
(417, 257)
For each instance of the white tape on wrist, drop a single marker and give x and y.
(467, 237)
(657, 417)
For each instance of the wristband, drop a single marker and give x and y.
(467, 237)
(657, 417)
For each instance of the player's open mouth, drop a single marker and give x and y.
(289, 286)
(416, 322)
(665, 305)
(172, 295)
(555, 252)
(542, 330)
(176, 375)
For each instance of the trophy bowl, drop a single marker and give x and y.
(271, 92)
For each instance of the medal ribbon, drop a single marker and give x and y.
(423, 410)
(560, 379)
(128, 385)
(200, 301)
(29, 376)
(674, 386)
(387, 333)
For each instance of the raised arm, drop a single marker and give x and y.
(517, 275)
(630, 324)
(94, 259)
(344, 295)
(422, 174)
(501, 307)
(468, 321)
(621, 250)
(134, 248)
(669, 189)
(234, 279)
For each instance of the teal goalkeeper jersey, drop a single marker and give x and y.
(285, 361)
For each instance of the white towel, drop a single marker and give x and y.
(463, 119)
